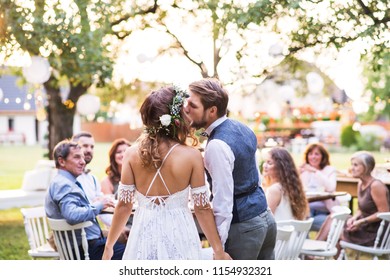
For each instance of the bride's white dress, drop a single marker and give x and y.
(163, 227)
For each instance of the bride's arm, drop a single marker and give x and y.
(124, 207)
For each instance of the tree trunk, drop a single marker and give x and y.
(60, 116)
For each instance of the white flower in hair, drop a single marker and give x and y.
(165, 119)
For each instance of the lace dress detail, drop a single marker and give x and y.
(163, 227)
(200, 196)
(126, 193)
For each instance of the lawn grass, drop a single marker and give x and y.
(13, 241)
(15, 160)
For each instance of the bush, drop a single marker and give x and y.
(349, 136)
(369, 142)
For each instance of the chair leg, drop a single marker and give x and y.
(357, 255)
(342, 255)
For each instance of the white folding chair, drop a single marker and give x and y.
(282, 238)
(66, 240)
(381, 244)
(327, 249)
(37, 231)
(298, 236)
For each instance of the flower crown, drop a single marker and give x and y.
(173, 119)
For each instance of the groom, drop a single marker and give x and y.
(243, 218)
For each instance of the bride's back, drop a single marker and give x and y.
(176, 170)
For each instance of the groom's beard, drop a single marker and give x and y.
(199, 124)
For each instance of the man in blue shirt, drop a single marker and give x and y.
(67, 200)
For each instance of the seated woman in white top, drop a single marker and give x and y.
(318, 175)
(284, 190)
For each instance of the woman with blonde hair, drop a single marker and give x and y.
(160, 172)
(284, 190)
(373, 198)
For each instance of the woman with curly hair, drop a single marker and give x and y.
(284, 190)
(160, 172)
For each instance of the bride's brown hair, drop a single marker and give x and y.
(157, 104)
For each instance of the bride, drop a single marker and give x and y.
(160, 172)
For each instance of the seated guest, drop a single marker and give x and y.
(318, 175)
(67, 200)
(284, 190)
(89, 181)
(373, 198)
(110, 183)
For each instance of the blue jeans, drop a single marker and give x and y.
(253, 239)
(319, 218)
(96, 249)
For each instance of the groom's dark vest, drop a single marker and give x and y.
(249, 198)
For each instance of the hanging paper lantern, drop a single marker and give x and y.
(39, 70)
(1, 94)
(287, 92)
(275, 49)
(40, 114)
(64, 92)
(88, 104)
(315, 83)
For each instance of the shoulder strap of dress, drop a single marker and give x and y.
(170, 150)
(158, 171)
(373, 180)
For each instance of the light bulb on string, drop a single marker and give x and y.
(26, 106)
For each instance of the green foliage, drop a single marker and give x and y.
(368, 142)
(377, 73)
(67, 36)
(348, 136)
(80, 40)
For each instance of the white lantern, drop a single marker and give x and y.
(315, 83)
(64, 92)
(142, 58)
(39, 70)
(287, 92)
(274, 110)
(248, 107)
(275, 49)
(40, 114)
(1, 94)
(235, 103)
(88, 104)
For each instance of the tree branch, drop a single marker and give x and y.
(151, 9)
(201, 64)
(367, 11)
